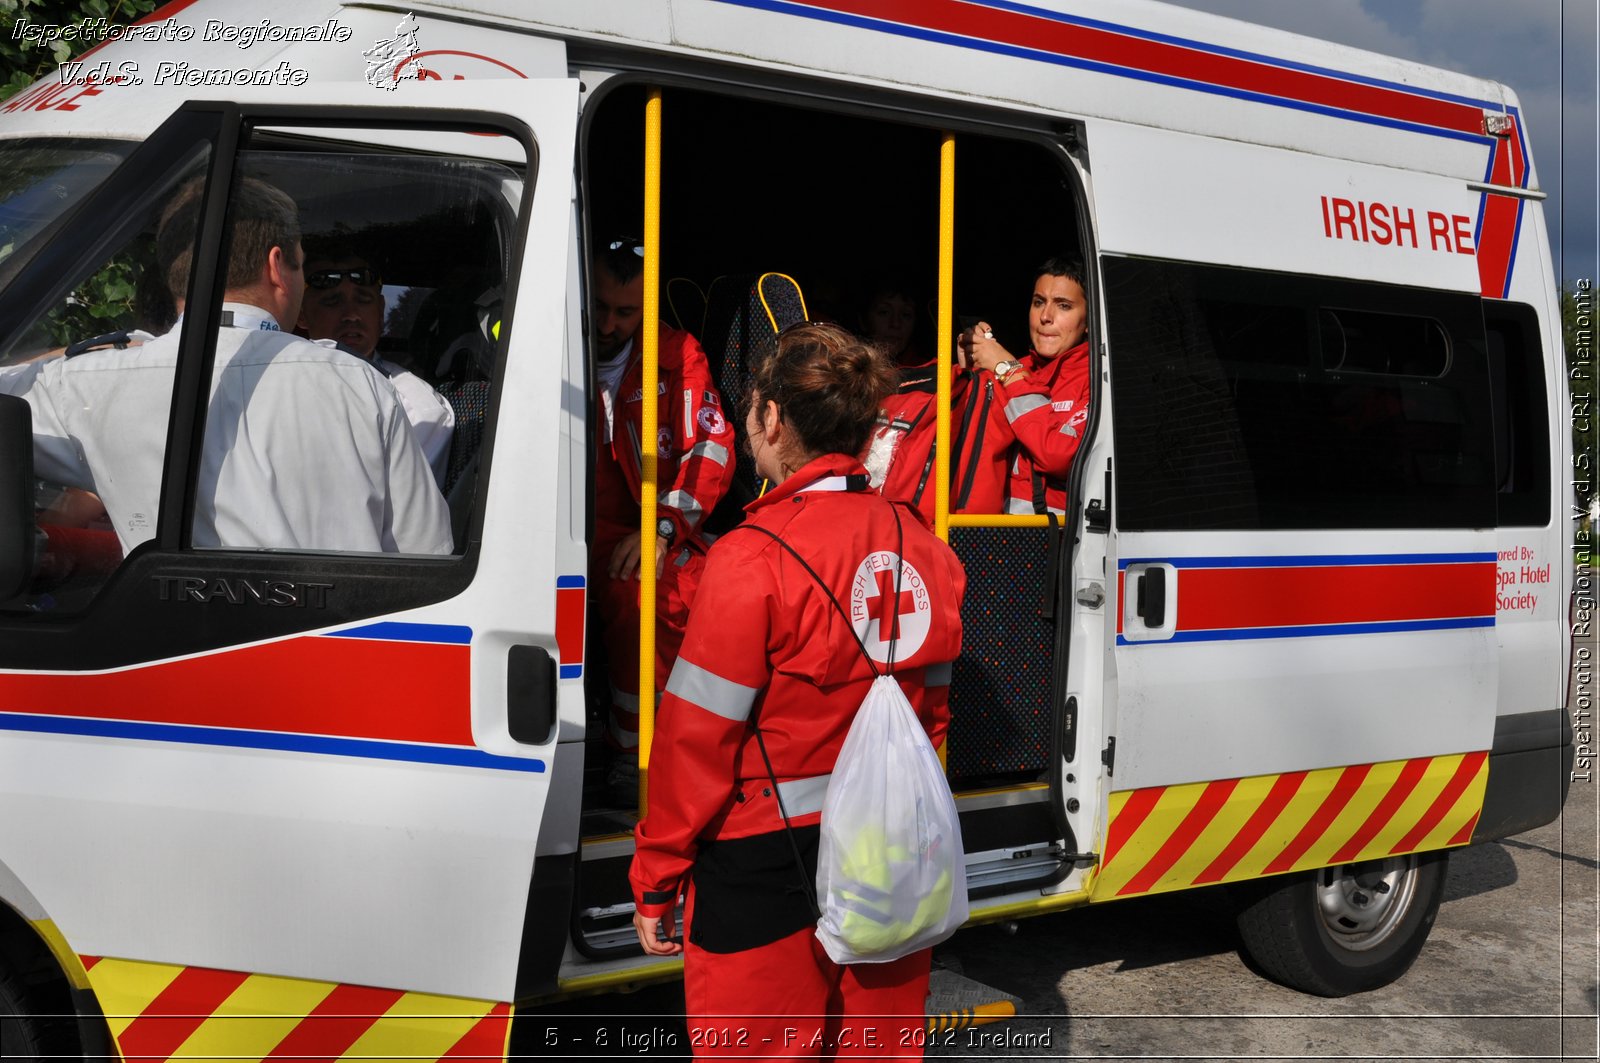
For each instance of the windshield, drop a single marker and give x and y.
(40, 178)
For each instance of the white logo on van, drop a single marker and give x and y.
(879, 617)
(386, 57)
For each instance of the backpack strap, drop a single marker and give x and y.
(777, 792)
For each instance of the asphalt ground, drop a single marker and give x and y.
(1509, 973)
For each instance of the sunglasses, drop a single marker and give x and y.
(361, 276)
(635, 246)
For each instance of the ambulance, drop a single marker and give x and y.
(1301, 631)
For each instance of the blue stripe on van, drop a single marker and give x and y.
(393, 631)
(453, 756)
(1312, 630)
(1305, 560)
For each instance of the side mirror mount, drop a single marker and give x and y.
(17, 530)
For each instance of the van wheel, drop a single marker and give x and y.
(33, 1023)
(1343, 930)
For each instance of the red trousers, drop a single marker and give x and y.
(788, 1000)
(619, 617)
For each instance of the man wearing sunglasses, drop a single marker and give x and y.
(344, 303)
(694, 451)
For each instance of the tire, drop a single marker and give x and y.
(1343, 930)
(35, 1024)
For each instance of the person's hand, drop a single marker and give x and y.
(625, 558)
(648, 927)
(978, 349)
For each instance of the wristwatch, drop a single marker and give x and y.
(667, 530)
(1005, 369)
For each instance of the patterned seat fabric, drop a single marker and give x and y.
(744, 314)
(1000, 689)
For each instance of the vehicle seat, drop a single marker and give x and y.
(744, 314)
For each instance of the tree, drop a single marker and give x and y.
(22, 62)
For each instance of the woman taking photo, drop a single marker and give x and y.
(766, 648)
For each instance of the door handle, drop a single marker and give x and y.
(1151, 596)
(530, 694)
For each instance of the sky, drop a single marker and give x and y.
(1544, 49)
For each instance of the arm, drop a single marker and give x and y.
(703, 723)
(705, 440)
(418, 518)
(56, 456)
(1048, 420)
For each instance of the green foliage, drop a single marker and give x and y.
(24, 62)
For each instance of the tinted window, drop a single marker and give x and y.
(1521, 421)
(1245, 399)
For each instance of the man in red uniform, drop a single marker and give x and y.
(1044, 396)
(766, 648)
(694, 463)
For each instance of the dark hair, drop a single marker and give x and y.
(1069, 266)
(618, 258)
(260, 217)
(827, 384)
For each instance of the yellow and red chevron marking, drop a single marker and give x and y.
(1173, 837)
(160, 1011)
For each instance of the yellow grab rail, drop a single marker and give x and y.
(945, 339)
(650, 335)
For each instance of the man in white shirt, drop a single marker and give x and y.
(305, 448)
(344, 304)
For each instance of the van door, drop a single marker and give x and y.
(228, 746)
(1303, 513)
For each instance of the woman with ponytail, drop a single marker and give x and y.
(823, 575)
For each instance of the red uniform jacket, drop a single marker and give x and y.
(1047, 411)
(900, 457)
(694, 446)
(765, 643)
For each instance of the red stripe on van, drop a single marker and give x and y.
(336, 1023)
(1134, 812)
(1225, 598)
(339, 687)
(1466, 771)
(1410, 776)
(179, 1009)
(1211, 801)
(1161, 57)
(1343, 790)
(1277, 799)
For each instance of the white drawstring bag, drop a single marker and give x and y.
(891, 877)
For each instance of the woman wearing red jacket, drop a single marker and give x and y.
(1045, 393)
(765, 647)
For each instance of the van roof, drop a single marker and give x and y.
(1136, 61)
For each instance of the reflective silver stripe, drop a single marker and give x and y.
(1018, 505)
(684, 503)
(711, 452)
(802, 797)
(623, 700)
(711, 692)
(1024, 404)
(937, 675)
(827, 483)
(1068, 430)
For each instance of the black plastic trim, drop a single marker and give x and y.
(544, 932)
(1530, 772)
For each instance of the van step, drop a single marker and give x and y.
(956, 1002)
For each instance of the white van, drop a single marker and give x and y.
(1302, 629)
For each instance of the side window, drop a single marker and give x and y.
(366, 438)
(99, 401)
(323, 379)
(1251, 400)
(1521, 418)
